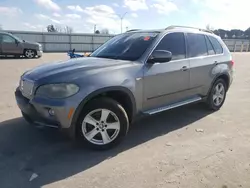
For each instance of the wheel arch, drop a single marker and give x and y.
(224, 76)
(24, 49)
(129, 107)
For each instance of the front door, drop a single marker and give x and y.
(167, 82)
(9, 45)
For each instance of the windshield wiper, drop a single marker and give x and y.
(107, 56)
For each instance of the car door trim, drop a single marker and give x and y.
(173, 93)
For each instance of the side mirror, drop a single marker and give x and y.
(160, 56)
(17, 42)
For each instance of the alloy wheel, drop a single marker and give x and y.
(29, 53)
(101, 126)
(218, 94)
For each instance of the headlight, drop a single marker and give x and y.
(57, 90)
(40, 47)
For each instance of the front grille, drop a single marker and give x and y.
(26, 87)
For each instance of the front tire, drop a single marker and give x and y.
(102, 124)
(217, 95)
(30, 54)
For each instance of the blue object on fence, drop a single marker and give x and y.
(72, 54)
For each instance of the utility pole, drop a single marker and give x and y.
(94, 28)
(122, 17)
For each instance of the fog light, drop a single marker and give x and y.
(51, 112)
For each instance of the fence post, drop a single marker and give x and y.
(92, 41)
(242, 46)
(44, 42)
(70, 41)
(248, 45)
(234, 45)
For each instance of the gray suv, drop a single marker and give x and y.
(96, 98)
(12, 45)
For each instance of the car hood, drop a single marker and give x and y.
(32, 43)
(65, 68)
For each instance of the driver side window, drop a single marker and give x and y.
(8, 39)
(175, 43)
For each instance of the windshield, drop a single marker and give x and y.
(15, 37)
(128, 46)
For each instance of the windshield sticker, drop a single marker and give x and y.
(146, 38)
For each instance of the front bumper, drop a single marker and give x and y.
(37, 110)
(39, 53)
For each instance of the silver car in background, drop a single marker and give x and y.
(12, 45)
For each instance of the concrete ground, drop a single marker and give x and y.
(164, 150)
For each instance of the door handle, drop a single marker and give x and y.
(184, 68)
(216, 63)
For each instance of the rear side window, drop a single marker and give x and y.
(217, 46)
(197, 45)
(175, 43)
(210, 48)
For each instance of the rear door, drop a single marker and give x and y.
(10, 45)
(167, 82)
(202, 60)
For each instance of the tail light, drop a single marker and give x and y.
(232, 63)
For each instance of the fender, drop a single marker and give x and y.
(98, 92)
(216, 77)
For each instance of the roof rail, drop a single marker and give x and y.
(132, 30)
(176, 26)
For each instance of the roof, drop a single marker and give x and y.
(2, 32)
(146, 30)
(175, 28)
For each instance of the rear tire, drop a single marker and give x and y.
(217, 95)
(30, 54)
(103, 124)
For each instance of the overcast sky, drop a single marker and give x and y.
(82, 15)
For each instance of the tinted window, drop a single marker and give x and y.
(175, 43)
(197, 45)
(8, 39)
(127, 46)
(217, 46)
(210, 48)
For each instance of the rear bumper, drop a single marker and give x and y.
(231, 77)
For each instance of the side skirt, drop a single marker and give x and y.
(173, 105)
